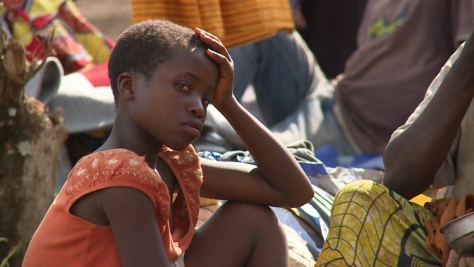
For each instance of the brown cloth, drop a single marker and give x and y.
(445, 210)
(235, 22)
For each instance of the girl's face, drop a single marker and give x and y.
(171, 105)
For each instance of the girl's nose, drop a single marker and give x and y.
(198, 109)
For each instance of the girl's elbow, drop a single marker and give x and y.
(307, 195)
(302, 197)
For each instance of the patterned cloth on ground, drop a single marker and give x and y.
(297, 251)
(373, 226)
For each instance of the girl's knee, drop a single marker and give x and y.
(250, 214)
(249, 209)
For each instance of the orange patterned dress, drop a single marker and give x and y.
(64, 238)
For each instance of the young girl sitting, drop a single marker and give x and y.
(117, 207)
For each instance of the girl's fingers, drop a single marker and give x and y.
(218, 53)
(213, 42)
(209, 34)
(221, 60)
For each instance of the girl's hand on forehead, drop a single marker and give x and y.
(220, 55)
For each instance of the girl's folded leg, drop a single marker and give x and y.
(239, 234)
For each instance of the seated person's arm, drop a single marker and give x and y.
(413, 157)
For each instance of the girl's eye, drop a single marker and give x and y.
(183, 87)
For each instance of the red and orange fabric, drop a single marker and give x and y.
(77, 43)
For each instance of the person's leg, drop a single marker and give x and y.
(239, 234)
(288, 74)
(283, 72)
(290, 87)
(293, 94)
(246, 65)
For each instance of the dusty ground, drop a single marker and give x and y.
(110, 16)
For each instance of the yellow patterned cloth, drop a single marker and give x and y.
(372, 226)
(235, 22)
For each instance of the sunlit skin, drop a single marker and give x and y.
(169, 108)
(413, 158)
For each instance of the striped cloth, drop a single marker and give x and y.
(235, 22)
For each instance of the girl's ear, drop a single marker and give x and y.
(125, 83)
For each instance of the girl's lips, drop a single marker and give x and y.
(194, 127)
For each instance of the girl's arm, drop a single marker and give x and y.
(413, 158)
(131, 215)
(278, 179)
